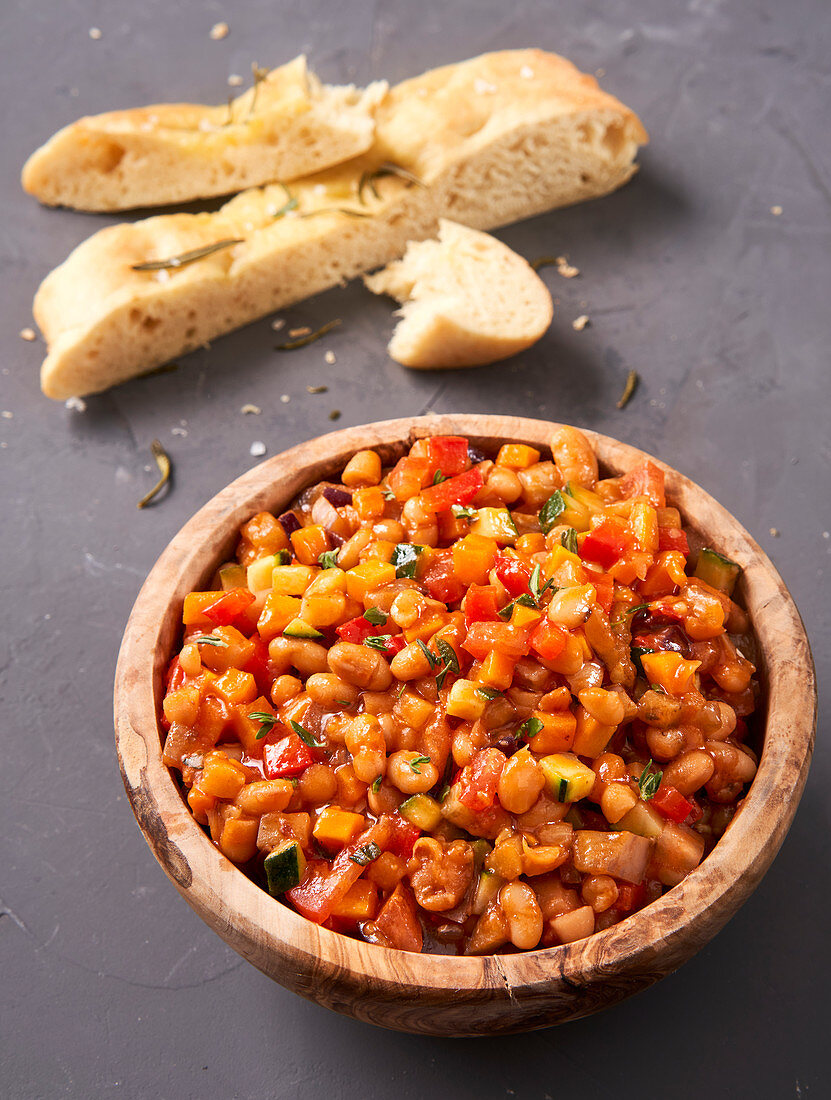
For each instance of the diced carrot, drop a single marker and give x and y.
(670, 671)
(309, 543)
(557, 733)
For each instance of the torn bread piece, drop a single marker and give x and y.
(287, 125)
(467, 299)
(481, 157)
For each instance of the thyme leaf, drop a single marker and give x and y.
(267, 722)
(378, 641)
(568, 540)
(367, 853)
(304, 734)
(551, 511)
(529, 728)
(163, 462)
(328, 559)
(431, 657)
(208, 639)
(375, 616)
(417, 761)
(629, 611)
(650, 780)
(185, 258)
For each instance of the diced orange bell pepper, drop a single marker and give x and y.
(235, 686)
(265, 532)
(497, 671)
(557, 733)
(309, 543)
(334, 827)
(247, 728)
(549, 639)
(369, 502)
(591, 737)
(473, 558)
(368, 576)
(234, 650)
(517, 456)
(483, 638)
(408, 476)
(670, 671)
(195, 605)
(277, 613)
(360, 903)
(665, 575)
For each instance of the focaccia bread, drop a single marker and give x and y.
(501, 137)
(467, 299)
(287, 125)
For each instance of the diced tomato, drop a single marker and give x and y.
(447, 454)
(402, 837)
(645, 480)
(673, 538)
(356, 630)
(309, 898)
(695, 814)
(287, 757)
(604, 586)
(514, 574)
(629, 897)
(229, 606)
(440, 579)
(456, 490)
(324, 885)
(175, 675)
(398, 921)
(480, 778)
(259, 667)
(671, 803)
(408, 476)
(480, 605)
(549, 639)
(509, 640)
(606, 542)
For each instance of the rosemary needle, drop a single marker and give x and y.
(632, 380)
(291, 345)
(163, 462)
(186, 257)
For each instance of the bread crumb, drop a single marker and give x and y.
(278, 323)
(235, 80)
(257, 449)
(483, 87)
(329, 358)
(334, 414)
(76, 404)
(579, 323)
(218, 31)
(251, 410)
(564, 268)
(285, 399)
(7, 415)
(526, 72)
(95, 33)
(826, 534)
(774, 532)
(304, 330)
(179, 431)
(28, 334)
(599, 73)
(317, 389)
(776, 211)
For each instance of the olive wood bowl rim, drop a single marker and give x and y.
(643, 947)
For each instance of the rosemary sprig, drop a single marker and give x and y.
(184, 258)
(267, 722)
(335, 210)
(259, 75)
(303, 341)
(163, 462)
(290, 204)
(369, 179)
(629, 611)
(208, 639)
(432, 659)
(417, 761)
(632, 380)
(649, 781)
(451, 661)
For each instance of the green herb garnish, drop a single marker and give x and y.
(451, 661)
(267, 722)
(303, 341)
(568, 539)
(328, 559)
(636, 653)
(185, 258)
(405, 559)
(290, 204)
(163, 462)
(538, 590)
(378, 641)
(259, 75)
(488, 693)
(439, 477)
(208, 639)
(367, 853)
(431, 657)
(388, 493)
(649, 781)
(629, 612)
(529, 728)
(304, 735)
(369, 179)
(375, 616)
(461, 511)
(525, 600)
(336, 210)
(551, 511)
(417, 761)
(376, 784)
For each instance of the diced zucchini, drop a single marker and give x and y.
(487, 888)
(566, 778)
(284, 867)
(232, 576)
(716, 570)
(421, 810)
(481, 850)
(642, 820)
(258, 574)
(299, 628)
(495, 523)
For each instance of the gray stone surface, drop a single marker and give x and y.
(111, 985)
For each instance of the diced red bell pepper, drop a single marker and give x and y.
(393, 644)
(480, 605)
(447, 454)
(175, 675)
(506, 639)
(645, 480)
(606, 542)
(671, 803)
(604, 586)
(402, 836)
(695, 814)
(408, 476)
(325, 885)
(258, 664)
(287, 757)
(514, 574)
(229, 606)
(440, 579)
(356, 630)
(456, 490)
(480, 778)
(673, 538)
(629, 897)
(549, 639)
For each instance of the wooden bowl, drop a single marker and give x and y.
(445, 995)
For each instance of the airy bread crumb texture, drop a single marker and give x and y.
(482, 159)
(287, 125)
(467, 300)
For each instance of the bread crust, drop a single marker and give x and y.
(290, 126)
(531, 143)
